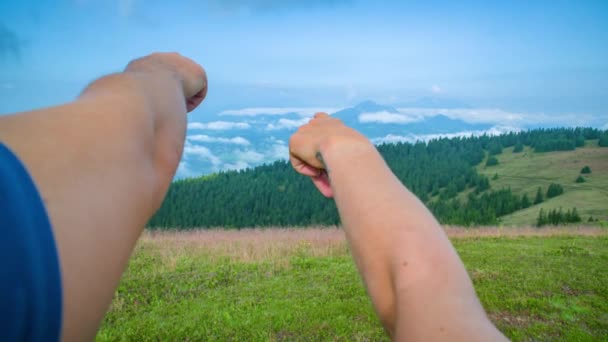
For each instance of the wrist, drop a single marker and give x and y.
(337, 147)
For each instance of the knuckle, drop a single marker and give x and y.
(292, 139)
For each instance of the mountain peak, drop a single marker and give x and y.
(371, 106)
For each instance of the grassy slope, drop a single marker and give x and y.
(533, 289)
(526, 171)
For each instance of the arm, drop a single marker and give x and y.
(103, 164)
(414, 277)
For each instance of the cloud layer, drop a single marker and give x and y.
(201, 152)
(386, 117)
(219, 125)
(412, 138)
(286, 124)
(257, 111)
(208, 139)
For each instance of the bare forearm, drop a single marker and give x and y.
(102, 165)
(412, 273)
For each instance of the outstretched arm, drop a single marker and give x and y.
(416, 281)
(103, 164)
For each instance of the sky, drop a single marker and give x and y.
(543, 62)
(533, 56)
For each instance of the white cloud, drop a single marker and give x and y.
(393, 139)
(435, 89)
(386, 117)
(273, 139)
(184, 171)
(286, 124)
(279, 151)
(301, 111)
(249, 156)
(411, 138)
(501, 117)
(208, 139)
(201, 152)
(219, 125)
(470, 115)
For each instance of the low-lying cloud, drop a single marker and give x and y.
(501, 117)
(386, 118)
(466, 114)
(201, 152)
(249, 156)
(412, 138)
(286, 124)
(219, 125)
(257, 111)
(208, 139)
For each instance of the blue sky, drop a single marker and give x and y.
(273, 63)
(536, 57)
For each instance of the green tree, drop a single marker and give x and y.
(492, 161)
(580, 179)
(574, 216)
(525, 201)
(603, 141)
(586, 170)
(539, 196)
(554, 190)
(541, 220)
(519, 147)
(494, 148)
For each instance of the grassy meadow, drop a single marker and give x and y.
(301, 284)
(524, 172)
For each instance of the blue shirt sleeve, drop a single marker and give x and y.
(30, 279)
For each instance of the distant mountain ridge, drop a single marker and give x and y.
(434, 124)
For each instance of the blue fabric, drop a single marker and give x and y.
(30, 280)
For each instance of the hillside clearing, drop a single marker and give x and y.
(525, 172)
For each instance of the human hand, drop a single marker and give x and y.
(308, 145)
(191, 76)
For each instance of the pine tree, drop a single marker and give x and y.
(554, 190)
(525, 201)
(574, 216)
(580, 179)
(586, 170)
(492, 161)
(603, 142)
(519, 147)
(542, 218)
(539, 196)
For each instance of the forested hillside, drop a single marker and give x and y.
(443, 173)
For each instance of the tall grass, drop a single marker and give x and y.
(252, 245)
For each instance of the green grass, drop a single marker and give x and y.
(533, 288)
(525, 172)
